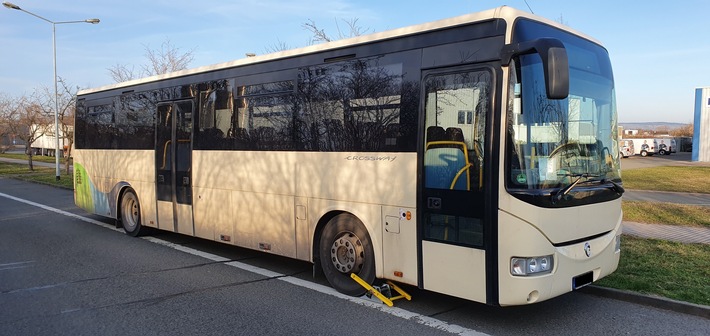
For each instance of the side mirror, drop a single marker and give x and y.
(554, 62)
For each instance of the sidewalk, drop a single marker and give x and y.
(677, 233)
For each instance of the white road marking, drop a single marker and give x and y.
(15, 265)
(61, 212)
(401, 313)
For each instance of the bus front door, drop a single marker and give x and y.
(173, 163)
(457, 103)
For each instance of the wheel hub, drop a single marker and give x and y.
(130, 212)
(347, 253)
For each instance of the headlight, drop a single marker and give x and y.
(531, 265)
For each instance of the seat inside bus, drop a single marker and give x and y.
(446, 164)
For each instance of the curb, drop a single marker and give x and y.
(647, 300)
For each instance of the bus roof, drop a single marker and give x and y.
(504, 12)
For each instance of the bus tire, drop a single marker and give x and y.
(644, 153)
(131, 214)
(345, 248)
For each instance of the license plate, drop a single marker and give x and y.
(582, 280)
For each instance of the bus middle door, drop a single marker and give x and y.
(173, 163)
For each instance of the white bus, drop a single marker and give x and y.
(473, 156)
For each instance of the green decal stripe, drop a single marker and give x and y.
(82, 189)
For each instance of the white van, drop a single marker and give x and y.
(645, 147)
(666, 146)
(626, 148)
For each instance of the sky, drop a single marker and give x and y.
(659, 50)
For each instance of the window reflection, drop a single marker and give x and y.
(354, 105)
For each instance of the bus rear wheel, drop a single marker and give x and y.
(131, 214)
(345, 248)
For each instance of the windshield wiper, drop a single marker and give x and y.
(564, 191)
(616, 186)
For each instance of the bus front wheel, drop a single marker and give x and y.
(345, 248)
(131, 213)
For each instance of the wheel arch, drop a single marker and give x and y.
(116, 195)
(315, 239)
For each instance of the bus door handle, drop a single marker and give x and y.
(186, 181)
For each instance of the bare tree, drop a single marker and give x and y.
(683, 131)
(122, 73)
(319, 35)
(561, 20)
(66, 101)
(278, 46)
(67, 109)
(28, 121)
(167, 58)
(5, 133)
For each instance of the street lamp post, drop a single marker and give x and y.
(54, 60)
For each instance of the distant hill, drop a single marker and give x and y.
(650, 125)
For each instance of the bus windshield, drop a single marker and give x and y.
(554, 144)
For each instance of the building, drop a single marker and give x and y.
(701, 125)
(631, 132)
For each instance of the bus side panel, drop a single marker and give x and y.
(99, 176)
(212, 217)
(399, 248)
(86, 195)
(373, 187)
(469, 278)
(246, 199)
(265, 222)
(273, 200)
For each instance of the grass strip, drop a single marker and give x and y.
(678, 179)
(673, 270)
(44, 175)
(666, 213)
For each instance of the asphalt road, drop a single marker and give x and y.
(675, 159)
(63, 272)
(667, 197)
